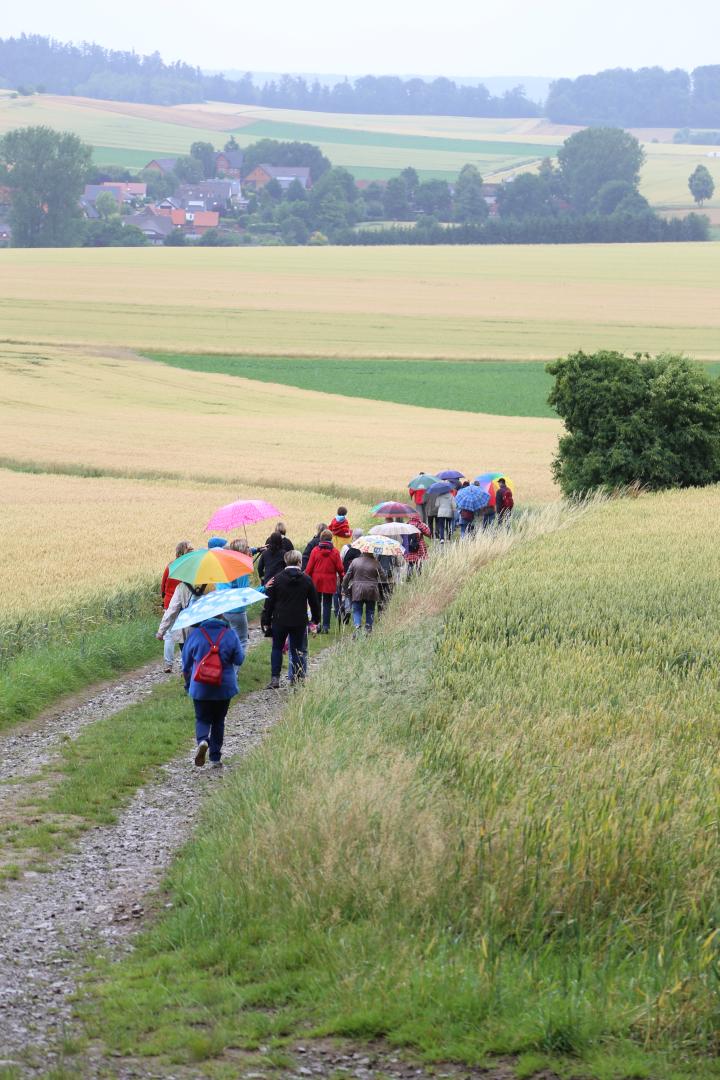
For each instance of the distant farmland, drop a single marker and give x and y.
(129, 134)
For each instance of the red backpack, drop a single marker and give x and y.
(209, 668)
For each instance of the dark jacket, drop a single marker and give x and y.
(270, 563)
(309, 548)
(288, 598)
(325, 567)
(348, 555)
(232, 654)
(362, 579)
(287, 545)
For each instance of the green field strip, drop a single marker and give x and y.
(115, 155)
(502, 389)
(271, 129)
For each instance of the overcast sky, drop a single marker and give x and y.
(460, 37)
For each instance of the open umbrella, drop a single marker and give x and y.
(378, 545)
(393, 528)
(450, 474)
(472, 498)
(238, 514)
(206, 567)
(421, 482)
(441, 487)
(488, 482)
(393, 509)
(216, 603)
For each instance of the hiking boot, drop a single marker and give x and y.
(274, 683)
(201, 752)
(168, 669)
(216, 764)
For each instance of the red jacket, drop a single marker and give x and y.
(340, 528)
(168, 585)
(325, 566)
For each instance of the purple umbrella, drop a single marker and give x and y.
(450, 474)
(441, 488)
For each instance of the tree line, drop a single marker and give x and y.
(32, 62)
(648, 97)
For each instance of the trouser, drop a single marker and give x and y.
(328, 601)
(239, 622)
(298, 650)
(432, 524)
(466, 527)
(170, 640)
(488, 520)
(503, 518)
(210, 724)
(357, 610)
(442, 525)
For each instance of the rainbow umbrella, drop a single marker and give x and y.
(488, 482)
(210, 566)
(238, 514)
(393, 509)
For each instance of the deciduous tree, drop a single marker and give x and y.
(701, 184)
(592, 157)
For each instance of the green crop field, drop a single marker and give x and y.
(501, 838)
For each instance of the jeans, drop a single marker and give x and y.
(442, 525)
(298, 650)
(357, 609)
(239, 622)
(170, 640)
(466, 527)
(210, 724)
(328, 601)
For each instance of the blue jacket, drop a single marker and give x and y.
(231, 654)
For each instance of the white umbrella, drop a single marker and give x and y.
(393, 528)
(216, 603)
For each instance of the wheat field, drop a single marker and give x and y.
(120, 412)
(534, 302)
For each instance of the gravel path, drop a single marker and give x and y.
(94, 898)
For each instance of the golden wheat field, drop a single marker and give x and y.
(85, 536)
(118, 411)
(509, 302)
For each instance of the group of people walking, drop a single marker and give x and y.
(303, 591)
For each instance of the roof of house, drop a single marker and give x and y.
(167, 164)
(92, 191)
(282, 172)
(205, 219)
(128, 186)
(234, 158)
(149, 220)
(209, 189)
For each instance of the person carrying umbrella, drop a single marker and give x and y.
(238, 619)
(326, 569)
(211, 683)
(286, 609)
(417, 548)
(445, 508)
(168, 585)
(362, 584)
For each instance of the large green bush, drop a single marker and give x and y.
(629, 420)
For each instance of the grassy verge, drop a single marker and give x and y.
(504, 389)
(69, 468)
(489, 830)
(100, 770)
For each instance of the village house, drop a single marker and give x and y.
(154, 225)
(229, 163)
(220, 195)
(192, 223)
(130, 189)
(284, 174)
(163, 166)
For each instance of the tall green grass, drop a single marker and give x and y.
(491, 829)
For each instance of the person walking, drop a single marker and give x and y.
(362, 584)
(431, 516)
(326, 569)
(312, 544)
(211, 656)
(503, 502)
(287, 545)
(238, 619)
(446, 507)
(340, 528)
(467, 521)
(182, 597)
(289, 595)
(168, 586)
(417, 550)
